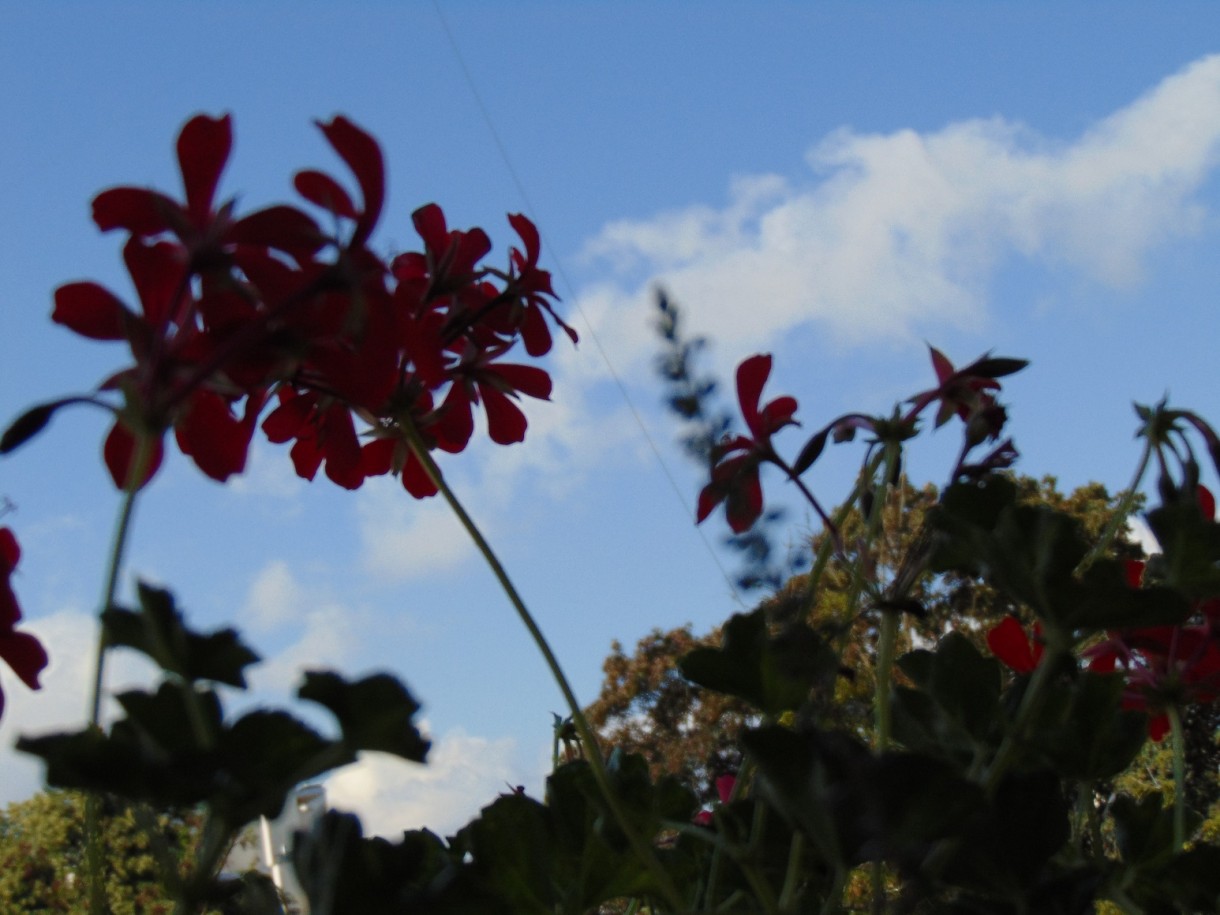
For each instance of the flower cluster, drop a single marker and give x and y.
(267, 317)
(968, 393)
(1166, 666)
(1162, 667)
(20, 650)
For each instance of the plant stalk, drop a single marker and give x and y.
(593, 755)
(118, 546)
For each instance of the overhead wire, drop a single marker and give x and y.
(501, 148)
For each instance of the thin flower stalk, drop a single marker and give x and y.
(587, 736)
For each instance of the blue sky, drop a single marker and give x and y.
(834, 183)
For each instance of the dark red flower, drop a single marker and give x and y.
(967, 392)
(1009, 642)
(323, 430)
(1165, 666)
(204, 229)
(735, 479)
(20, 650)
(724, 790)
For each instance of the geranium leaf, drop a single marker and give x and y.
(374, 713)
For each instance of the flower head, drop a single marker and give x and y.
(736, 460)
(20, 650)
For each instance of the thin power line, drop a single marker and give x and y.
(567, 284)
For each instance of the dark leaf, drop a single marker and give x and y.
(374, 713)
(158, 631)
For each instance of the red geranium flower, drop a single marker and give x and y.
(1010, 644)
(20, 650)
(1166, 665)
(735, 479)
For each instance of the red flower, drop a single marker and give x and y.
(203, 228)
(20, 650)
(1009, 643)
(1166, 666)
(724, 790)
(735, 479)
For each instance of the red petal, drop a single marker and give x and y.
(1009, 643)
(10, 609)
(724, 787)
(528, 379)
(415, 479)
(338, 439)
(535, 333)
(1158, 727)
(10, 551)
(777, 414)
(214, 438)
(506, 423)
(289, 419)
(91, 311)
(752, 374)
(709, 497)
(529, 236)
(306, 458)
(157, 272)
(203, 150)
(118, 451)
(25, 655)
(745, 501)
(363, 156)
(377, 457)
(139, 211)
(322, 190)
(455, 423)
(282, 227)
(1207, 503)
(1134, 570)
(429, 222)
(944, 368)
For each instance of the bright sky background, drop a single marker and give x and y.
(836, 183)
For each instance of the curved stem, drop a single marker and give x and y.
(587, 736)
(118, 545)
(1121, 513)
(787, 896)
(1178, 735)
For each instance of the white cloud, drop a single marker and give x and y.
(464, 773)
(269, 473)
(275, 597)
(897, 231)
(405, 538)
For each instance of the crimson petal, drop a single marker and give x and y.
(118, 451)
(25, 655)
(91, 310)
(139, 211)
(203, 150)
(322, 190)
(363, 156)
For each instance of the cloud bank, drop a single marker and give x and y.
(893, 233)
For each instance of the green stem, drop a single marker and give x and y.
(787, 896)
(1178, 735)
(885, 670)
(588, 738)
(1121, 512)
(118, 545)
(828, 542)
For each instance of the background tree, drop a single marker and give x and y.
(646, 706)
(42, 856)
